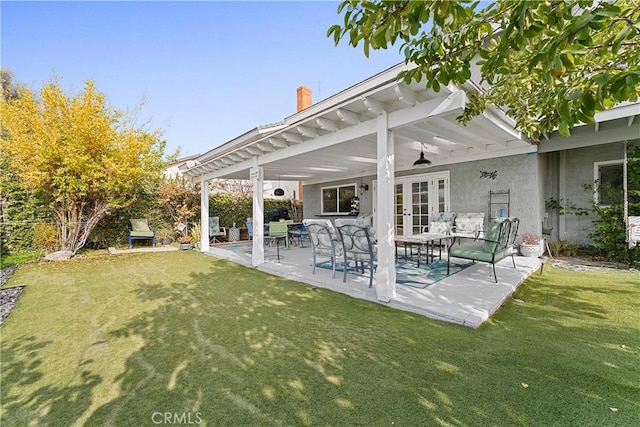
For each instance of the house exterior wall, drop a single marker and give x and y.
(569, 172)
(469, 188)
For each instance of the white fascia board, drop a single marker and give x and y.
(623, 110)
(585, 136)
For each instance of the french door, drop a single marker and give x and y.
(417, 198)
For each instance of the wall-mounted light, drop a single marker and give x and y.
(363, 187)
(422, 161)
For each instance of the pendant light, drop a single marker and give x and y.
(278, 191)
(422, 161)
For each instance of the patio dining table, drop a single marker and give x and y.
(420, 241)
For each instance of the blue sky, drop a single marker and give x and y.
(208, 71)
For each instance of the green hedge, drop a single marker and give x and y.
(237, 209)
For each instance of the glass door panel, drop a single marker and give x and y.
(420, 197)
(399, 209)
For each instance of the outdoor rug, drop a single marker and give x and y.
(408, 274)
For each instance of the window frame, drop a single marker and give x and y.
(337, 188)
(596, 178)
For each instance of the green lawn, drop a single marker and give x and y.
(19, 257)
(123, 340)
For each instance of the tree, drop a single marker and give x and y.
(181, 200)
(78, 154)
(18, 209)
(551, 64)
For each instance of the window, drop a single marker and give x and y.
(608, 182)
(337, 200)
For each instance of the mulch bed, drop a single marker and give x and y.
(9, 296)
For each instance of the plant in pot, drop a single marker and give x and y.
(530, 245)
(185, 242)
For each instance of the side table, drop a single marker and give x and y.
(234, 234)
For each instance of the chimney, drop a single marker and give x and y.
(304, 98)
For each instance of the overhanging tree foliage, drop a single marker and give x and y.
(78, 154)
(551, 64)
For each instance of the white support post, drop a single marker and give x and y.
(204, 215)
(386, 271)
(257, 179)
(562, 195)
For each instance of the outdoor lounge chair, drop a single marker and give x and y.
(496, 244)
(139, 230)
(215, 231)
(325, 241)
(357, 245)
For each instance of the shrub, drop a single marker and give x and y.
(563, 248)
(45, 236)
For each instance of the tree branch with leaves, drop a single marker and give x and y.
(549, 64)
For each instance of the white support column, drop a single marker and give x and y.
(257, 178)
(562, 195)
(204, 215)
(386, 271)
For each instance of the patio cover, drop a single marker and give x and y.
(376, 127)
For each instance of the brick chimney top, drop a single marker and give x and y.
(304, 98)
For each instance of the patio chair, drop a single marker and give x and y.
(469, 224)
(325, 241)
(279, 230)
(299, 233)
(249, 225)
(496, 244)
(139, 230)
(215, 231)
(357, 245)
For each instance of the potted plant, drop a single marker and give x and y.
(530, 246)
(185, 242)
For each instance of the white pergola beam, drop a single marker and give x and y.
(292, 137)
(405, 94)
(265, 147)
(373, 105)
(308, 131)
(235, 157)
(348, 116)
(227, 161)
(454, 102)
(327, 124)
(278, 143)
(255, 151)
(243, 154)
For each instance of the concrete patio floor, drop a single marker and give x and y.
(468, 297)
